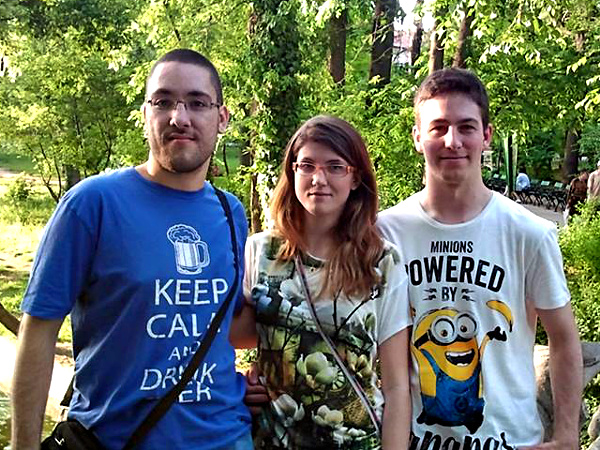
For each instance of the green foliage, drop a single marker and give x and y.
(589, 144)
(22, 203)
(238, 183)
(58, 102)
(273, 65)
(18, 191)
(580, 244)
(15, 162)
(540, 148)
(384, 117)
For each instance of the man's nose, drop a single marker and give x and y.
(453, 139)
(180, 116)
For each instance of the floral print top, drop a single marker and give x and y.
(312, 404)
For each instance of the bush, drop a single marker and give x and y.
(22, 203)
(580, 245)
(19, 191)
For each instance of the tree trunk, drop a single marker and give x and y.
(255, 206)
(571, 155)
(9, 321)
(382, 49)
(436, 48)
(460, 55)
(73, 176)
(337, 46)
(417, 40)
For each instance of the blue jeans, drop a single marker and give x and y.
(244, 442)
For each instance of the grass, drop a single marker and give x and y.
(16, 163)
(25, 207)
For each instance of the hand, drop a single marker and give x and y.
(256, 396)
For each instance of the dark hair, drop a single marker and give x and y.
(351, 268)
(187, 56)
(454, 81)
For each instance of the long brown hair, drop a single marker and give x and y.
(351, 268)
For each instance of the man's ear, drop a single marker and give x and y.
(416, 134)
(223, 118)
(488, 132)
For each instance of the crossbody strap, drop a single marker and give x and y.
(159, 410)
(338, 359)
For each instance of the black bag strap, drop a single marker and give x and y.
(165, 403)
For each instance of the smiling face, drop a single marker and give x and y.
(451, 136)
(450, 338)
(182, 141)
(323, 196)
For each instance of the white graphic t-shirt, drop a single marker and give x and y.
(473, 291)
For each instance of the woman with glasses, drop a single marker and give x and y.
(329, 292)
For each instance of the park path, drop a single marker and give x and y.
(6, 173)
(549, 214)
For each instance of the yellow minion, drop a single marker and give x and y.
(449, 360)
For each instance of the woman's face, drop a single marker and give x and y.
(323, 181)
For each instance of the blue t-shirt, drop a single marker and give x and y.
(143, 268)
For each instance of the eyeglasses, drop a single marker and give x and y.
(165, 104)
(335, 170)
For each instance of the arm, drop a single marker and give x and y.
(566, 371)
(243, 327)
(394, 356)
(31, 380)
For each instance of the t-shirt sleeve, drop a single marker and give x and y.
(241, 223)
(393, 308)
(545, 282)
(61, 266)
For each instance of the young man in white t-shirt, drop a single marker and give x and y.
(481, 270)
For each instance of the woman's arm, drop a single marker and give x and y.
(394, 356)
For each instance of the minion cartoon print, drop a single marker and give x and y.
(449, 358)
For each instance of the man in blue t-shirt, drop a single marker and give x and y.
(142, 259)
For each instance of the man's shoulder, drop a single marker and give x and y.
(111, 179)
(232, 199)
(94, 189)
(508, 211)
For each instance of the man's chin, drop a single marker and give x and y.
(183, 166)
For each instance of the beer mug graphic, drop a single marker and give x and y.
(191, 252)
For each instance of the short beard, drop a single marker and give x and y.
(183, 165)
